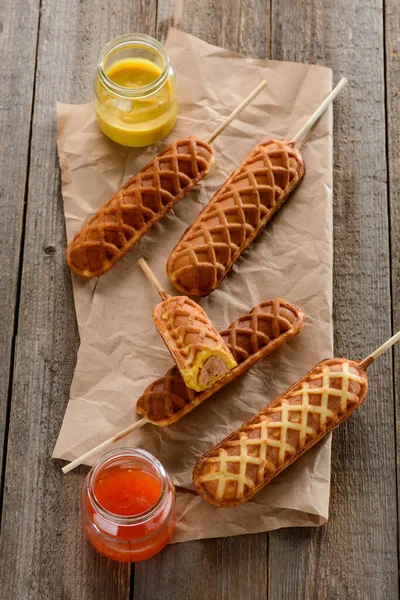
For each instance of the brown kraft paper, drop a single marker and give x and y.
(121, 352)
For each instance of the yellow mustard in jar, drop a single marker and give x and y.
(135, 96)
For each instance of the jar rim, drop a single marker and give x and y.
(132, 40)
(111, 457)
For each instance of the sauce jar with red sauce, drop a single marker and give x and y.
(128, 505)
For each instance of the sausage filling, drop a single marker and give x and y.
(213, 367)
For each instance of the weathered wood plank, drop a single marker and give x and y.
(43, 550)
(18, 39)
(240, 26)
(220, 569)
(44, 553)
(231, 568)
(392, 23)
(355, 556)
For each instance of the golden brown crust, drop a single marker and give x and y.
(234, 217)
(245, 461)
(192, 340)
(249, 338)
(142, 201)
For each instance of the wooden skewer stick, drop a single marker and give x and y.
(320, 111)
(118, 436)
(153, 279)
(235, 112)
(78, 461)
(388, 344)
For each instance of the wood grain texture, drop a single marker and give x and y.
(240, 26)
(220, 569)
(43, 548)
(355, 555)
(17, 33)
(392, 31)
(230, 568)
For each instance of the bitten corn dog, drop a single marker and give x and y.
(249, 338)
(140, 203)
(199, 351)
(245, 461)
(234, 217)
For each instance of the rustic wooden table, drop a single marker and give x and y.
(48, 51)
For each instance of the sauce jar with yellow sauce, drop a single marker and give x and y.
(135, 96)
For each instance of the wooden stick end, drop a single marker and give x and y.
(364, 364)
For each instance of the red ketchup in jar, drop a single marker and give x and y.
(128, 505)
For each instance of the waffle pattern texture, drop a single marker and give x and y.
(234, 217)
(234, 470)
(140, 203)
(249, 338)
(191, 338)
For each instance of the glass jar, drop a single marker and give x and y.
(144, 520)
(135, 91)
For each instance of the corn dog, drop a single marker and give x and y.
(249, 338)
(245, 461)
(234, 217)
(141, 202)
(199, 351)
